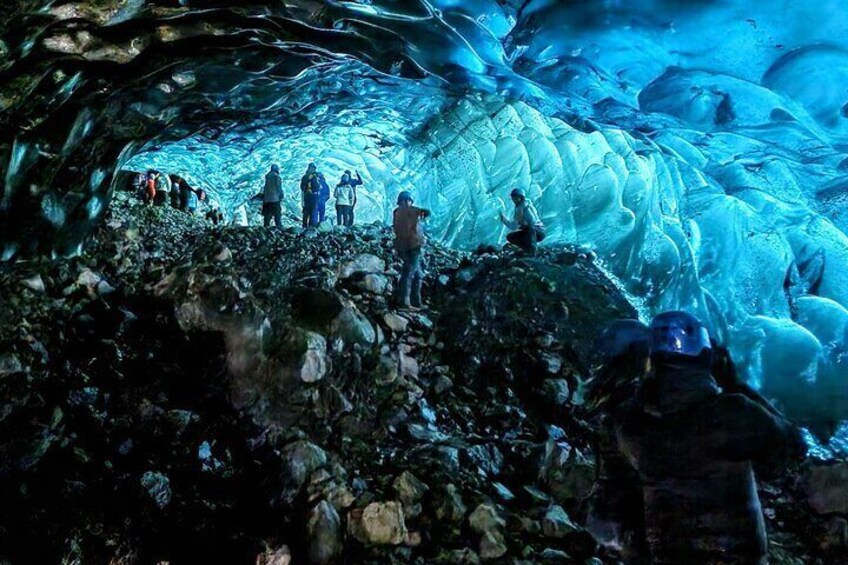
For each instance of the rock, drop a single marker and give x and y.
(34, 283)
(449, 505)
(362, 263)
(379, 523)
(223, 255)
(408, 366)
(88, 279)
(556, 523)
(158, 486)
(9, 364)
(302, 458)
(826, 488)
(280, 556)
(556, 391)
(375, 283)
(569, 474)
(352, 327)
(409, 488)
(309, 350)
(324, 530)
(551, 363)
(555, 556)
(387, 370)
(465, 556)
(442, 384)
(485, 518)
(395, 323)
(492, 545)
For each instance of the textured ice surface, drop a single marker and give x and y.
(699, 147)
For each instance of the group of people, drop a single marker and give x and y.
(315, 194)
(159, 189)
(681, 443)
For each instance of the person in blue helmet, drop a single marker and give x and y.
(693, 447)
(409, 241)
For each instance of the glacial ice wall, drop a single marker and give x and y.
(699, 147)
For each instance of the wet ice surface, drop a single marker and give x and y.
(698, 147)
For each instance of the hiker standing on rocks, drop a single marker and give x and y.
(310, 187)
(525, 221)
(163, 189)
(150, 188)
(323, 197)
(409, 240)
(693, 448)
(346, 198)
(272, 198)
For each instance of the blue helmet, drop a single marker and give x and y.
(679, 333)
(620, 337)
(405, 196)
(517, 193)
(275, 168)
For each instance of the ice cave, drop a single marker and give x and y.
(698, 150)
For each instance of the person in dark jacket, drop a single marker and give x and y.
(409, 240)
(616, 515)
(349, 179)
(323, 197)
(272, 198)
(310, 188)
(693, 448)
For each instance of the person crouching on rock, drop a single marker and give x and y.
(272, 197)
(525, 221)
(693, 447)
(409, 240)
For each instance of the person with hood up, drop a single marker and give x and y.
(272, 198)
(693, 447)
(529, 230)
(310, 188)
(409, 241)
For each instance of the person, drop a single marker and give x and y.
(176, 182)
(310, 188)
(192, 202)
(323, 197)
(214, 215)
(348, 180)
(150, 188)
(409, 240)
(272, 197)
(616, 516)
(344, 195)
(693, 448)
(185, 192)
(163, 189)
(525, 221)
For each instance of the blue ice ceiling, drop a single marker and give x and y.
(698, 146)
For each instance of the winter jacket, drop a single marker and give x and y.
(524, 216)
(163, 183)
(344, 195)
(692, 448)
(409, 233)
(273, 191)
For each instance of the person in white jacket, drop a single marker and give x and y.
(345, 195)
(528, 228)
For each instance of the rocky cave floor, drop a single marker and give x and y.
(188, 394)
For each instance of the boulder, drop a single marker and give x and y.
(826, 488)
(375, 283)
(309, 352)
(352, 327)
(569, 474)
(409, 488)
(485, 518)
(449, 505)
(556, 523)
(302, 458)
(492, 546)
(379, 523)
(395, 323)
(362, 263)
(325, 536)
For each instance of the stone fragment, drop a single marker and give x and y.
(395, 322)
(556, 391)
(556, 523)
(362, 263)
(352, 327)
(449, 505)
(409, 488)
(302, 458)
(158, 486)
(492, 546)
(309, 350)
(485, 518)
(280, 556)
(34, 283)
(324, 530)
(379, 523)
